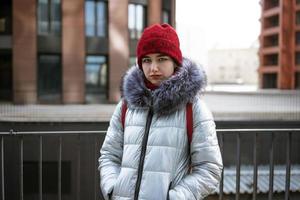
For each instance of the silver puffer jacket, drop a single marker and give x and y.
(150, 159)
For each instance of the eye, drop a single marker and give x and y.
(146, 60)
(161, 59)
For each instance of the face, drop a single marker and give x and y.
(157, 67)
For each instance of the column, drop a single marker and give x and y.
(24, 48)
(287, 62)
(118, 45)
(154, 11)
(73, 51)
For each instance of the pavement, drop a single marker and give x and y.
(225, 105)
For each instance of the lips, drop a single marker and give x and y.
(156, 76)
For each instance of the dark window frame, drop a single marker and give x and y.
(297, 18)
(6, 16)
(297, 80)
(50, 16)
(297, 58)
(42, 94)
(270, 81)
(297, 38)
(6, 75)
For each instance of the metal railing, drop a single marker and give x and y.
(41, 134)
(239, 132)
(80, 134)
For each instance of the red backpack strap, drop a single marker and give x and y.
(189, 121)
(123, 113)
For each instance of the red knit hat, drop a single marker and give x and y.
(159, 39)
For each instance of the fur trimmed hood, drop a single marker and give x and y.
(171, 95)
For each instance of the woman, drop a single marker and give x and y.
(151, 156)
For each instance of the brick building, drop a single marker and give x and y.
(280, 44)
(65, 52)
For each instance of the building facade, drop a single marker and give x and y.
(71, 52)
(233, 66)
(280, 44)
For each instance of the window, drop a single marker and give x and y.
(297, 38)
(2, 25)
(270, 81)
(297, 80)
(270, 60)
(136, 20)
(5, 17)
(6, 77)
(49, 17)
(95, 18)
(271, 40)
(271, 22)
(166, 16)
(222, 73)
(49, 78)
(132, 61)
(268, 4)
(298, 17)
(96, 79)
(297, 58)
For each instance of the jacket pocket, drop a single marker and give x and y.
(169, 188)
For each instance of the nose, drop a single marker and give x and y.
(154, 66)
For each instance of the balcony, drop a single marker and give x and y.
(63, 164)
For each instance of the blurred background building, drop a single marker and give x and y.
(279, 52)
(233, 66)
(66, 52)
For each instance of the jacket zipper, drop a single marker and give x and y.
(143, 153)
(169, 188)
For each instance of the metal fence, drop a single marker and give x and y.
(79, 135)
(255, 132)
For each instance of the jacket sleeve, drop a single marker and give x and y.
(111, 153)
(206, 160)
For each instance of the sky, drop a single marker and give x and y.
(209, 24)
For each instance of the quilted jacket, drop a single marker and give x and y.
(150, 158)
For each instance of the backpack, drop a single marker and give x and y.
(189, 118)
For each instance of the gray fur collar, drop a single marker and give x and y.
(172, 94)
